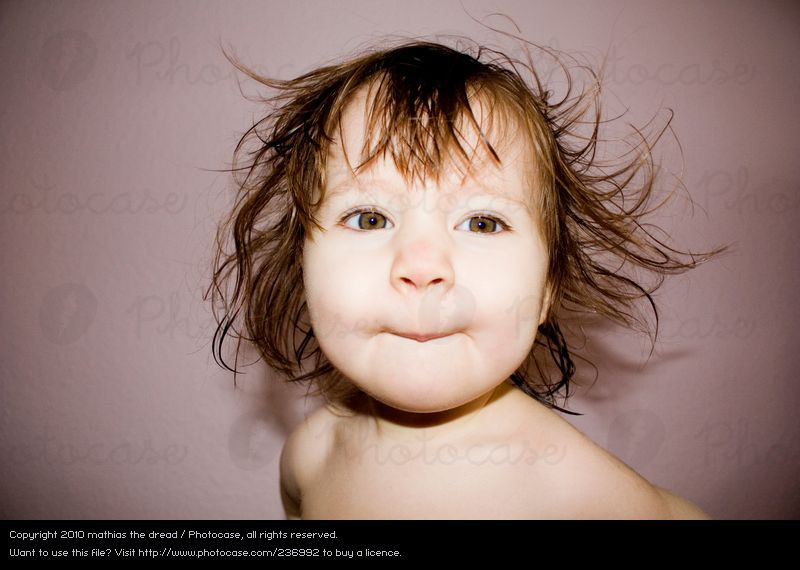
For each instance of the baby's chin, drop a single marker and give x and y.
(424, 383)
(415, 404)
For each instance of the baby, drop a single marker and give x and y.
(417, 218)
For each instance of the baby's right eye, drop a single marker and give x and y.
(365, 219)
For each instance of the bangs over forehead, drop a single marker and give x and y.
(431, 108)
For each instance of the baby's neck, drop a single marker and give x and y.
(393, 425)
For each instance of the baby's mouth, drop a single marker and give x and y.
(421, 337)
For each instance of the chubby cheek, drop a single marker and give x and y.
(340, 293)
(507, 314)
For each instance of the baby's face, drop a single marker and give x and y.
(462, 259)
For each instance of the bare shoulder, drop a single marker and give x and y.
(603, 486)
(304, 451)
(681, 509)
(589, 482)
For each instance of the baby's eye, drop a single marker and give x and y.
(365, 220)
(484, 224)
(371, 219)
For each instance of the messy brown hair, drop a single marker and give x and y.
(425, 92)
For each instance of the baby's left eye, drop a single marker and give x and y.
(483, 223)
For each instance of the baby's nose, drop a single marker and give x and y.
(422, 262)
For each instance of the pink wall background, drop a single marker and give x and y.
(112, 406)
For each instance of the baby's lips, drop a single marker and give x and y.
(422, 336)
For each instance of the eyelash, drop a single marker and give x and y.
(350, 213)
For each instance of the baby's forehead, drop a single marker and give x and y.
(351, 164)
(381, 177)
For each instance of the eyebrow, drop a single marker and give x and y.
(383, 187)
